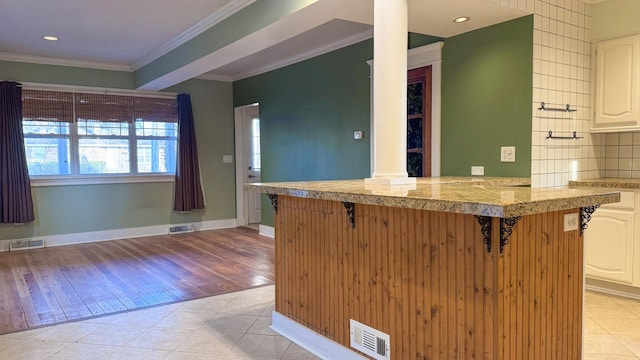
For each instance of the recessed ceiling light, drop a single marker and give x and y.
(50, 38)
(461, 19)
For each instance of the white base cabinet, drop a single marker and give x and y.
(612, 242)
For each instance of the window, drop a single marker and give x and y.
(98, 134)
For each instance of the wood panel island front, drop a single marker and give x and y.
(449, 268)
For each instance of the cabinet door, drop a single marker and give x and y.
(617, 101)
(609, 242)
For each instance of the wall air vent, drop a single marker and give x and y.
(181, 229)
(369, 340)
(25, 244)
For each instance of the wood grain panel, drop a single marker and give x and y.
(427, 279)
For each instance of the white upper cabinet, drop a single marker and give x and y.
(617, 85)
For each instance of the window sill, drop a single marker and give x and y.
(37, 181)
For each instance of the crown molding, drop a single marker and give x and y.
(101, 65)
(215, 77)
(195, 30)
(350, 40)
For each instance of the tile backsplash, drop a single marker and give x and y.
(621, 155)
(561, 75)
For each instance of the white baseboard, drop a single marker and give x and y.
(614, 292)
(267, 231)
(310, 340)
(115, 234)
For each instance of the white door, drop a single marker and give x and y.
(251, 131)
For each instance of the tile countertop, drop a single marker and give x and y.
(496, 197)
(606, 183)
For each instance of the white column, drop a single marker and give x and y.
(390, 93)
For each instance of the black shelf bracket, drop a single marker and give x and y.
(585, 216)
(485, 228)
(274, 201)
(351, 212)
(566, 108)
(506, 228)
(574, 136)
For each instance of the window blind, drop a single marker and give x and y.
(58, 106)
(51, 106)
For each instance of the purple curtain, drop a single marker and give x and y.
(188, 186)
(16, 205)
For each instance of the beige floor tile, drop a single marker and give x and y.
(607, 357)
(27, 334)
(84, 352)
(620, 326)
(634, 308)
(262, 327)
(69, 332)
(138, 354)
(160, 339)
(615, 311)
(184, 320)
(295, 352)
(176, 355)
(268, 311)
(631, 342)
(592, 327)
(210, 305)
(209, 341)
(116, 335)
(238, 357)
(141, 318)
(31, 349)
(604, 344)
(230, 323)
(265, 346)
(598, 299)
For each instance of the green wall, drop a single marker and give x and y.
(308, 113)
(486, 99)
(309, 110)
(76, 209)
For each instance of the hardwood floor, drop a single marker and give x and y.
(57, 284)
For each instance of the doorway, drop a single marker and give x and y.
(248, 164)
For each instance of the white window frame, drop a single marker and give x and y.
(89, 179)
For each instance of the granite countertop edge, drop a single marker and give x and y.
(618, 183)
(466, 204)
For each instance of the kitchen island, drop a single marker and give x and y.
(456, 268)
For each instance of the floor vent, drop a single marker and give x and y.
(369, 341)
(25, 244)
(181, 229)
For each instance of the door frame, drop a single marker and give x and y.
(241, 202)
(427, 55)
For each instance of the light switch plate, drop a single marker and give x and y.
(358, 135)
(571, 221)
(508, 154)
(227, 159)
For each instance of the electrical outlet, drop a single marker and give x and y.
(477, 170)
(508, 154)
(571, 221)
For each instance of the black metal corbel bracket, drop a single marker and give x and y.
(351, 212)
(485, 228)
(506, 228)
(585, 217)
(274, 201)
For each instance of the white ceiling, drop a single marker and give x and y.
(130, 33)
